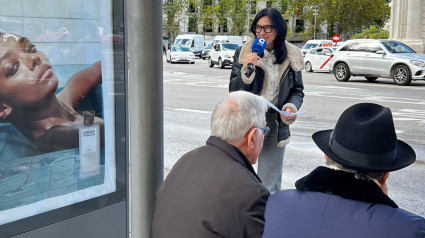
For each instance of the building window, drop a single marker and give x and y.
(192, 8)
(224, 27)
(299, 26)
(269, 4)
(208, 26)
(208, 3)
(192, 25)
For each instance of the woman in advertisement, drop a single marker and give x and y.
(28, 98)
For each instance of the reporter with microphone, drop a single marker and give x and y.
(269, 66)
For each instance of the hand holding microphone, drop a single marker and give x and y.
(258, 47)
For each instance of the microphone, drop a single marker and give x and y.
(258, 47)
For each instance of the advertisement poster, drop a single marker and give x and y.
(56, 104)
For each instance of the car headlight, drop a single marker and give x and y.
(418, 63)
(227, 55)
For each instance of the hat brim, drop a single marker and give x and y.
(405, 155)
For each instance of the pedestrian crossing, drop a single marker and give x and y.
(410, 115)
(338, 92)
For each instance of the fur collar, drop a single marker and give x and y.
(295, 58)
(343, 184)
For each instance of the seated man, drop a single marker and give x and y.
(349, 197)
(213, 191)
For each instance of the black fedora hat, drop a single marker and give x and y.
(364, 139)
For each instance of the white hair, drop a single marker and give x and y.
(235, 114)
(365, 176)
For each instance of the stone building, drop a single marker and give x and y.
(407, 23)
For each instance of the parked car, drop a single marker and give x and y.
(180, 54)
(373, 58)
(228, 39)
(194, 41)
(316, 43)
(222, 54)
(317, 59)
(206, 51)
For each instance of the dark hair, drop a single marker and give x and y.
(279, 25)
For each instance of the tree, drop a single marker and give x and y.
(221, 12)
(172, 11)
(373, 33)
(294, 10)
(239, 17)
(354, 15)
(201, 14)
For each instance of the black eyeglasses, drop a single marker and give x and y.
(267, 29)
(265, 130)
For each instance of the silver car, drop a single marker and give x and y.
(377, 58)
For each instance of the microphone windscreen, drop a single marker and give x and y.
(259, 45)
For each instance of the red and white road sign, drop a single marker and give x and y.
(336, 38)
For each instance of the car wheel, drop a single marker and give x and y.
(220, 63)
(308, 67)
(401, 75)
(371, 79)
(192, 62)
(342, 73)
(210, 63)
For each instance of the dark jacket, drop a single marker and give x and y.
(333, 204)
(291, 84)
(212, 191)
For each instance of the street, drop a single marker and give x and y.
(192, 90)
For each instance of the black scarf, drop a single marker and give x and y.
(343, 184)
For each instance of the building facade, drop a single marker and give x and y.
(407, 23)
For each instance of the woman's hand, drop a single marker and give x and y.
(289, 110)
(252, 58)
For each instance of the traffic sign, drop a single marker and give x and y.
(336, 38)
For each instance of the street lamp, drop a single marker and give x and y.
(316, 12)
(248, 11)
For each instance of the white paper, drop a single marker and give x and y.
(283, 112)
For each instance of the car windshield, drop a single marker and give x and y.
(180, 49)
(309, 46)
(397, 47)
(230, 46)
(186, 42)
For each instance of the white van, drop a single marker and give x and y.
(194, 41)
(228, 39)
(316, 43)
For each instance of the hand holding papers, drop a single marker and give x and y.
(283, 112)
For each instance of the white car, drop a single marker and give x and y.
(316, 43)
(180, 54)
(373, 58)
(317, 59)
(222, 54)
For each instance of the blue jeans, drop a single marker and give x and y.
(270, 160)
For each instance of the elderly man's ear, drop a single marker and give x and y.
(5, 111)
